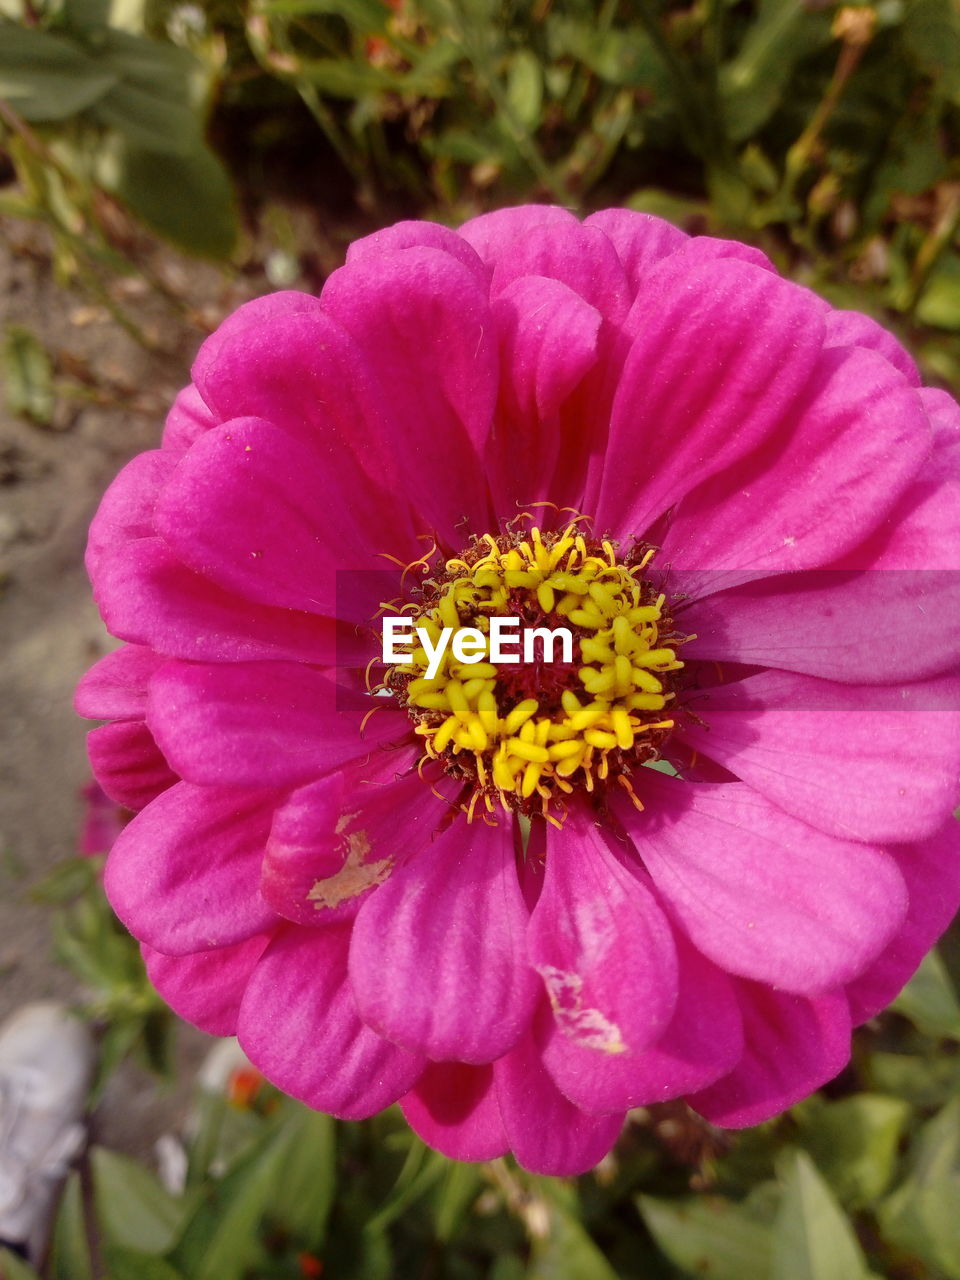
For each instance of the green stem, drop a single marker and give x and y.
(325, 119)
(713, 39)
(800, 153)
(936, 243)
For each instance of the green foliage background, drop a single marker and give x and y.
(828, 135)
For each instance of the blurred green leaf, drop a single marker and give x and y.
(343, 78)
(157, 1032)
(812, 1240)
(676, 209)
(28, 374)
(914, 160)
(708, 1236)
(525, 88)
(939, 303)
(921, 1215)
(566, 1251)
(753, 82)
(466, 147)
(152, 102)
(421, 1170)
(70, 1250)
(187, 198)
(118, 1040)
(48, 77)
(87, 18)
(931, 32)
(616, 56)
(305, 1184)
(926, 1080)
(89, 939)
(930, 1001)
(376, 1257)
(67, 881)
(938, 360)
(134, 1210)
(458, 1189)
(221, 1238)
(854, 1144)
(507, 1266)
(756, 168)
(364, 16)
(14, 1268)
(130, 1264)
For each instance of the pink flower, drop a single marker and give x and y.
(606, 423)
(102, 821)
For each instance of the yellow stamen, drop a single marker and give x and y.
(520, 713)
(527, 750)
(527, 746)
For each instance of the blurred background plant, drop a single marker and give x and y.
(262, 137)
(828, 133)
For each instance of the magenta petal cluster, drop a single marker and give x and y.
(301, 874)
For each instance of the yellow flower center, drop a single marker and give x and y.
(525, 734)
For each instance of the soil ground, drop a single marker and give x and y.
(51, 480)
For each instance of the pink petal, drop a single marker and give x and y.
(184, 875)
(207, 987)
(115, 688)
(548, 342)
(696, 251)
(260, 723)
(414, 235)
(793, 1046)
(253, 319)
(187, 420)
(923, 531)
(731, 351)
(862, 762)
(128, 764)
(299, 1025)
(640, 240)
(438, 960)
(334, 841)
(852, 329)
(850, 448)
(562, 249)
(493, 235)
(423, 321)
(305, 373)
(263, 515)
(760, 893)
(103, 820)
(703, 1041)
(547, 1133)
(454, 1109)
(126, 509)
(532, 863)
(876, 627)
(148, 597)
(602, 946)
(932, 874)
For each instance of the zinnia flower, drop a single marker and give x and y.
(522, 900)
(102, 820)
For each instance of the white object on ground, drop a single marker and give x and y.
(47, 1060)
